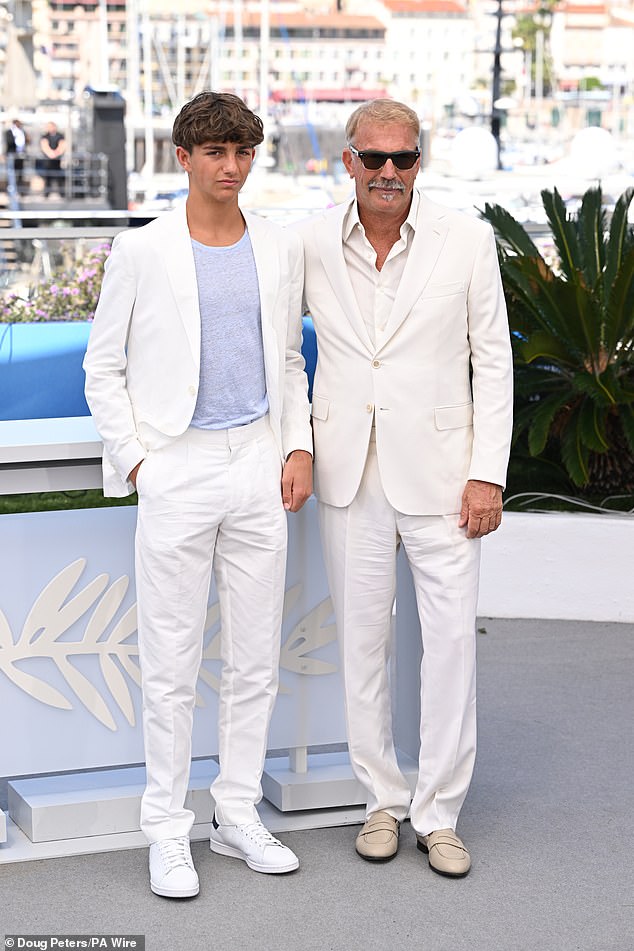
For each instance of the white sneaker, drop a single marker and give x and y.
(172, 872)
(254, 845)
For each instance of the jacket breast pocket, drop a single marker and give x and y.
(454, 417)
(443, 290)
(320, 407)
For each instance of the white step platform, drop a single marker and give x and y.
(321, 780)
(82, 813)
(76, 805)
(19, 848)
(3, 827)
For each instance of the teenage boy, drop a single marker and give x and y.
(196, 382)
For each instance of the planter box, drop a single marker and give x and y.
(559, 565)
(41, 375)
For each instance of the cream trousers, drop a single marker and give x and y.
(209, 499)
(360, 543)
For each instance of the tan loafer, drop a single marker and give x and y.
(447, 853)
(378, 839)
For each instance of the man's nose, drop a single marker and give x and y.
(389, 169)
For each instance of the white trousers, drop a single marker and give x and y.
(209, 498)
(360, 543)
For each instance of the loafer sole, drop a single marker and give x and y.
(440, 871)
(376, 858)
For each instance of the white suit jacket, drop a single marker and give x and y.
(438, 383)
(143, 358)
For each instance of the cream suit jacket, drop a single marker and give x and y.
(143, 358)
(439, 380)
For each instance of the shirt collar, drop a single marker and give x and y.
(351, 218)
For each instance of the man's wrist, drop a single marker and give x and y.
(303, 451)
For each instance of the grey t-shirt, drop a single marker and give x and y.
(232, 389)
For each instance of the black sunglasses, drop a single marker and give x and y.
(373, 161)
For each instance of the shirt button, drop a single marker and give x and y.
(376, 363)
(192, 391)
(369, 407)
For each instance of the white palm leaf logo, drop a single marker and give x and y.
(55, 611)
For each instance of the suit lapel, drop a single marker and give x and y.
(266, 253)
(329, 244)
(177, 253)
(429, 237)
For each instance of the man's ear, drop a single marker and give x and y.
(346, 158)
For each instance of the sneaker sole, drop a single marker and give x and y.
(221, 849)
(174, 893)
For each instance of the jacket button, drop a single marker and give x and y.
(376, 363)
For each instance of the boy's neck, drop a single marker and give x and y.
(219, 226)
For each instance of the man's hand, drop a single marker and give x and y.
(297, 479)
(481, 508)
(132, 476)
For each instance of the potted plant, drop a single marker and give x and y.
(69, 294)
(572, 326)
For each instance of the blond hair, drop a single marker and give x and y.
(382, 110)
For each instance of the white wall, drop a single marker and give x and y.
(559, 565)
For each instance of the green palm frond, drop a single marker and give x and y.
(542, 419)
(627, 422)
(523, 417)
(619, 310)
(574, 454)
(592, 426)
(621, 239)
(551, 302)
(564, 234)
(591, 227)
(599, 389)
(509, 230)
(543, 345)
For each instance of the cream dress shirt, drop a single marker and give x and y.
(375, 290)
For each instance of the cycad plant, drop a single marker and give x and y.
(572, 324)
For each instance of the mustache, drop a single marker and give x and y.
(387, 184)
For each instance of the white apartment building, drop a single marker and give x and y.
(594, 40)
(430, 58)
(433, 54)
(17, 80)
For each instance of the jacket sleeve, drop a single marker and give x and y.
(492, 366)
(296, 430)
(105, 365)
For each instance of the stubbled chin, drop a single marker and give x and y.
(386, 195)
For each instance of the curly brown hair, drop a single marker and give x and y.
(216, 117)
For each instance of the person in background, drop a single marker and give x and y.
(411, 411)
(16, 141)
(53, 146)
(196, 383)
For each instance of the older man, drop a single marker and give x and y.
(412, 412)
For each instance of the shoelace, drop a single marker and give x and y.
(175, 852)
(260, 835)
